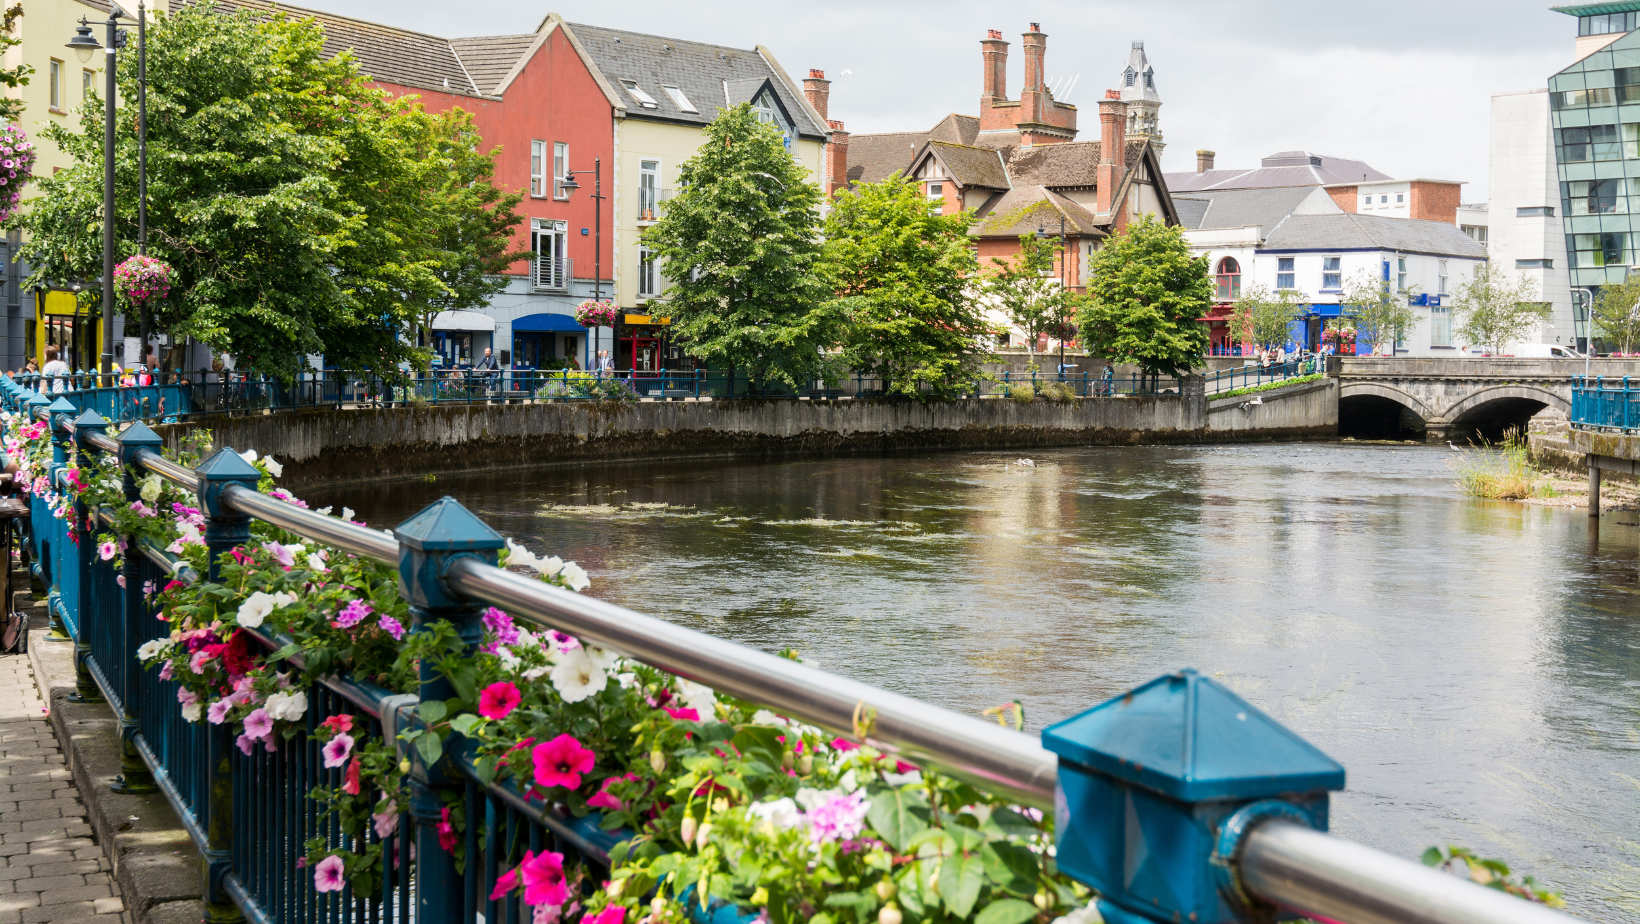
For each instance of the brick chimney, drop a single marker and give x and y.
(1112, 149)
(1204, 161)
(995, 53)
(836, 159)
(818, 90)
(1036, 44)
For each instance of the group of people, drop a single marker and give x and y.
(56, 371)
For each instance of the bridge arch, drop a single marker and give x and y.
(1489, 412)
(1390, 392)
(1474, 401)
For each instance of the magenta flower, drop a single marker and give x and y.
(391, 626)
(841, 818)
(561, 761)
(246, 744)
(337, 750)
(352, 614)
(498, 700)
(501, 626)
(544, 878)
(107, 550)
(605, 799)
(612, 914)
(327, 874)
(218, 712)
(684, 715)
(386, 822)
(505, 883)
(258, 725)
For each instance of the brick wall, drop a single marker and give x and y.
(1345, 196)
(1436, 201)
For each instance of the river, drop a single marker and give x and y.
(1474, 665)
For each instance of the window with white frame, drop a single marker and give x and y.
(649, 182)
(550, 242)
(637, 92)
(648, 277)
(1440, 326)
(538, 168)
(1284, 273)
(1332, 274)
(1399, 198)
(678, 99)
(1400, 274)
(1442, 278)
(56, 84)
(560, 168)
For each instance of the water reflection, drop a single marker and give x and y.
(1475, 665)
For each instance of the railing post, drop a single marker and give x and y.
(429, 542)
(134, 777)
(57, 418)
(1158, 788)
(85, 687)
(225, 530)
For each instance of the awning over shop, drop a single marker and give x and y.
(537, 323)
(463, 320)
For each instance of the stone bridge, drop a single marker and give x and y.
(1457, 397)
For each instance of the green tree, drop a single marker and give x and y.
(299, 205)
(903, 276)
(1029, 294)
(1145, 296)
(1381, 314)
(1265, 319)
(741, 245)
(11, 108)
(1615, 315)
(1494, 310)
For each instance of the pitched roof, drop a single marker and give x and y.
(956, 129)
(490, 59)
(1285, 168)
(1239, 208)
(386, 53)
(1063, 165)
(1350, 231)
(874, 158)
(709, 76)
(971, 166)
(1191, 211)
(1025, 209)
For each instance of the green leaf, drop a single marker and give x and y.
(1011, 866)
(465, 681)
(465, 722)
(433, 711)
(1432, 856)
(897, 815)
(1006, 911)
(960, 882)
(1009, 823)
(430, 748)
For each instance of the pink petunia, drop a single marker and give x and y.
(246, 744)
(684, 715)
(561, 761)
(327, 874)
(446, 832)
(386, 822)
(218, 711)
(391, 626)
(544, 878)
(350, 783)
(612, 914)
(605, 799)
(498, 700)
(352, 614)
(258, 725)
(838, 744)
(505, 883)
(337, 750)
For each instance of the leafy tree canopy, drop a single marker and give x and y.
(741, 245)
(1495, 309)
(902, 273)
(1265, 319)
(11, 108)
(1381, 315)
(1145, 296)
(1028, 293)
(1615, 315)
(303, 210)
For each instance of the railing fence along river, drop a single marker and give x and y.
(1178, 801)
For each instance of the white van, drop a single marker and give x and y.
(1545, 351)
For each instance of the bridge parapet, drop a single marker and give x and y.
(1508, 368)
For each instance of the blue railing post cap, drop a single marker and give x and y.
(446, 526)
(62, 406)
(223, 468)
(140, 436)
(86, 424)
(1147, 779)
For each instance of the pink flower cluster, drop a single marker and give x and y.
(17, 155)
(592, 313)
(143, 279)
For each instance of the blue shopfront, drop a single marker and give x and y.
(548, 341)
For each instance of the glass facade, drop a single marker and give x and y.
(1595, 107)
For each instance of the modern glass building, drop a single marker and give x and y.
(1595, 111)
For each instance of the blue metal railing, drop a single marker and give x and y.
(1235, 839)
(1254, 374)
(1601, 404)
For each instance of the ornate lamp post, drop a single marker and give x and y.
(84, 45)
(569, 186)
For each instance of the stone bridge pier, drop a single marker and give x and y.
(1459, 398)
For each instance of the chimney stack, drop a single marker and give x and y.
(1036, 43)
(1204, 161)
(836, 159)
(1112, 149)
(818, 90)
(994, 51)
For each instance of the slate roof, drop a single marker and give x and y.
(972, 166)
(1238, 208)
(710, 76)
(1024, 209)
(491, 58)
(1285, 168)
(1191, 211)
(1350, 231)
(874, 158)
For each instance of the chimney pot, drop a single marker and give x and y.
(994, 53)
(1035, 27)
(993, 33)
(817, 90)
(817, 73)
(1204, 161)
(1113, 94)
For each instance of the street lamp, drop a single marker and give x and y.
(84, 46)
(568, 185)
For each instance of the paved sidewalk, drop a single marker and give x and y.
(50, 871)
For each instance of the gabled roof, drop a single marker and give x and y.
(1285, 168)
(710, 77)
(1350, 231)
(874, 158)
(1026, 209)
(1191, 211)
(1064, 165)
(1240, 208)
(490, 59)
(970, 166)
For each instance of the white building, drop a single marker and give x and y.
(1526, 235)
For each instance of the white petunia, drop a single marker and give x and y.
(576, 677)
(150, 650)
(151, 487)
(602, 658)
(347, 513)
(316, 562)
(812, 799)
(520, 557)
(249, 455)
(191, 711)
(274, 468)
(1086, 915)
(765, 717)
(777, 814)
(536, 673)
(287, 706)
(283, 599)
(255, 609)
(699, 697)
(324, 510)
(902, 779)
(509, 661)
(576, 576)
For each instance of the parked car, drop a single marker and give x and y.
(1546, 351)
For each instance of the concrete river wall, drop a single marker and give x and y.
(333, 447)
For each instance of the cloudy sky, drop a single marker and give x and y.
(1403, 84)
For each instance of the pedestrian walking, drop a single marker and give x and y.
(1109, 376)
(606, 362)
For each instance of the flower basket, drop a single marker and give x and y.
(143, 280)
(17, 155)
(592, 313)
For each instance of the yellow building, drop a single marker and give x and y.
(667, 91)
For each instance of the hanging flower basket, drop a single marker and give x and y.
(17, 155)
(591, 314)
(143, 280)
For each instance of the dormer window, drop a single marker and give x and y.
(1150, 80)
(678, 99)
(1128, 75)
(644, 99)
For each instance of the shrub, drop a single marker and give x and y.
(1058, 391)
(1507, 474)
(1021, 393)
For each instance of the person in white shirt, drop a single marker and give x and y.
(54, 370)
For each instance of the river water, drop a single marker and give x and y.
(1474, 665)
